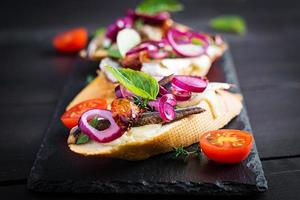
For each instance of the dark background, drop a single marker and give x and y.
(32, 75)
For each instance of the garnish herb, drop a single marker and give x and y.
(197, 41)
(153, 7)
(139, 83)
(89, 78)
(140, 102)
(100, 31)
(229, 23)
(114, 53)
(139, 23)
(182, 153)
(83, 138)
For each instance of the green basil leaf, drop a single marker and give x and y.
(152, 7)
(82, 138)
(94, 122)
(139, 83)
(229, 23)
(89, 78)
(100, 31)
(114, 53)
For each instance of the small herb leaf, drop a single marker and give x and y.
(197, 41)
(139, 83)
(182, 153)
(229, 23)
(89, 78)
(100, 31)
(152, 7)
(114, 53)
(82, 138)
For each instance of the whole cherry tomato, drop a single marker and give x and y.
(71, 41)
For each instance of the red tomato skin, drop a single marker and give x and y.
(71, 117)
(226, 155)
(71, 41)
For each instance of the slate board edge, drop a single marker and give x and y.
(35, 183)
(256, 166)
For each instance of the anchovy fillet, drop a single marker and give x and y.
(155, 118)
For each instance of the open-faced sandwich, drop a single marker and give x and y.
(146, 115)
(147, 39)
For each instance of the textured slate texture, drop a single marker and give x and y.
(57, 169)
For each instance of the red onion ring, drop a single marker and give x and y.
(174, 33)
(118, 92)
(149, 19)
(136, 50)
(165, 109)
(153, 104)
(190, 83)
(111, 133)
(122, 92)
(119, 24)
(158, 54)
(182, 95)
(170, 99)
(162, 90)
(152, 47)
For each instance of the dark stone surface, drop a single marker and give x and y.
(57, 169)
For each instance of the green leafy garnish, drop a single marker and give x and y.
(139, 23)
(100, 31)
(139, 83)
(89, 78)
(114, 53)
(140, 102)
(94, 122)
(83, 138)
(184, 154)
(197, 41)
(229, 23)
(152, 7)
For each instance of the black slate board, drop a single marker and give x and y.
(57, 169)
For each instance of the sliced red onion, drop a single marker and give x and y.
(119, 24)
(118, 92)
(111, 133)
(122, 92)
(170, 99)
(184, 47)
(154, 104)
(190, 83)
(165, 109)
(149, 19)
(162, 90)
(182, 95)
(158, 54)
(136, 50)
(153, 49)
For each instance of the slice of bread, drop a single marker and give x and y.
(142, 142)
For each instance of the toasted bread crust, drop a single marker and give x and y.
(179, 133)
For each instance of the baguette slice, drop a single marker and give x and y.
(142, 142)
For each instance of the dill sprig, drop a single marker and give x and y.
(182, 153)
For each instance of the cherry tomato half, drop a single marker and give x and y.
(226, 145)
(71, 41)
(71, 117)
